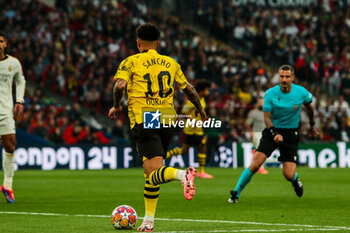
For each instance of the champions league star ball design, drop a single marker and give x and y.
(124, 218)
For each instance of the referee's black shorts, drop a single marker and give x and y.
(151, 142)
(288, 148)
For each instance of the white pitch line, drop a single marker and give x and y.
(187, 220)
(251, 223)
(258, 230)
(56, 214)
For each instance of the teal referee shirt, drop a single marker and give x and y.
(285, 107)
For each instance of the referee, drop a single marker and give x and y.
(282, 106)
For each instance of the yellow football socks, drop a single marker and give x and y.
(175, 151)
(163, 175)
(201, 160)
(151, 194)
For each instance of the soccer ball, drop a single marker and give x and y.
(124, 217)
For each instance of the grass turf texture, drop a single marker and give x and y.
(267, 199)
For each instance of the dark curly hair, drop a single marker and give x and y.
(148, 32)
(202, 84)
(3, 35)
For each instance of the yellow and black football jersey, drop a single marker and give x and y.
(150, 77)
(190, 110)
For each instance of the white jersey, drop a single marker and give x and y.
(256, 119)
(10, 70)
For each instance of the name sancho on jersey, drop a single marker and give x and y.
(150, 77)
(157, 61)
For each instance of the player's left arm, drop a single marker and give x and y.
(20, 89)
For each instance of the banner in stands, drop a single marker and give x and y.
(123, 156)
(276, 3)
(311, 155)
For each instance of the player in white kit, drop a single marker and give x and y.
(10, 70)
(256, 125)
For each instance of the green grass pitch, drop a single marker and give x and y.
(81, 201)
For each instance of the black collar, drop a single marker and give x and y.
(4, 58)
(145, 51)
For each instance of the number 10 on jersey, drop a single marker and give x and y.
(164, 80)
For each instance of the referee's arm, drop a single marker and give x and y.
(311, 114)
(276, 136)
(267, 119)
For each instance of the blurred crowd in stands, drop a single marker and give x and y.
(315, 38)
(59, 123)
(75, 48)
(64, 123)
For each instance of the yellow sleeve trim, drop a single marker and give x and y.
(184, 86)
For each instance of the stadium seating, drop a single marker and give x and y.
(75, 49)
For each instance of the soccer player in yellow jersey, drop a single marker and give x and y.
(194, 136)
(149, 78)
(10, 71)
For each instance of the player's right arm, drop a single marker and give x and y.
(189, 91)
(193, 96)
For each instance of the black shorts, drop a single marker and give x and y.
(288, 148)
(194, 140)
(151, 142)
